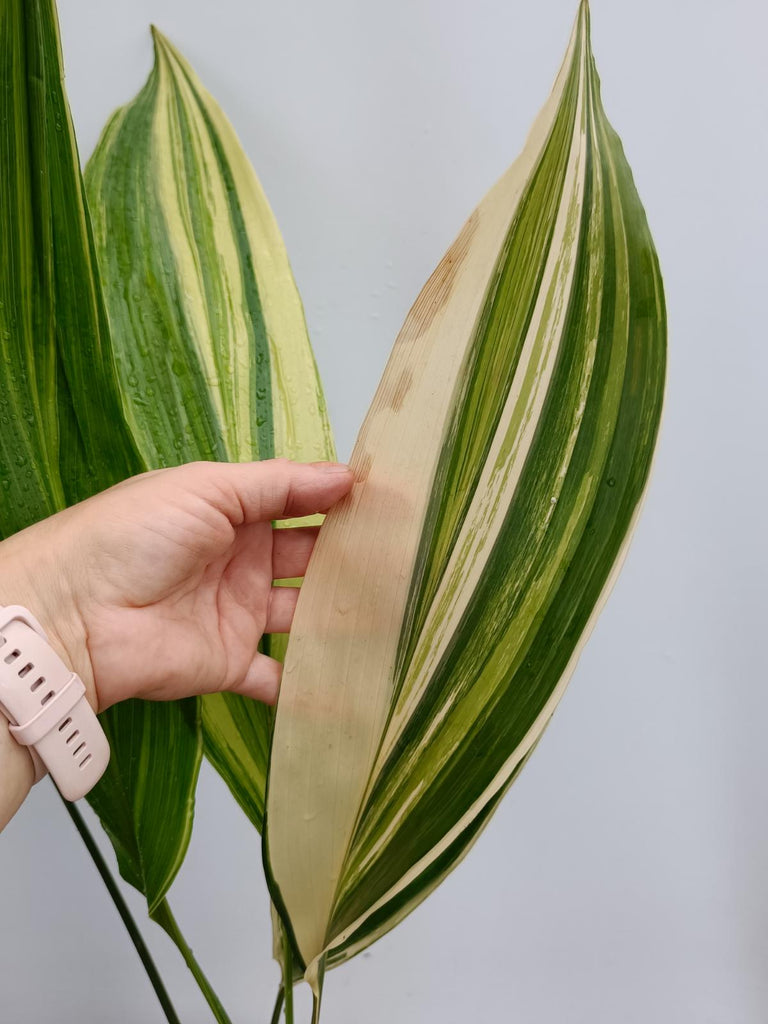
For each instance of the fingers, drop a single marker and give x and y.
(282, 605)
(262, 680)
(289, 489)
(250, 492)
(291, 549)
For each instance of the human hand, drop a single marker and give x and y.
(161, 587)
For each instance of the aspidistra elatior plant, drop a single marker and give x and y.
(500, 472)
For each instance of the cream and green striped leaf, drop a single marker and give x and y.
(500, 473)
(208, 326)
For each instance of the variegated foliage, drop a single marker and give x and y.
(64, 435)
(500, 472)
(212, 348)
(213, 361)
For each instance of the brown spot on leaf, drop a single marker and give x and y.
(400, 390)
(362, 467)
(438, 288)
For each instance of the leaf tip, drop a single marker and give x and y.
(161, 44)
(581, 35)
(583, 19)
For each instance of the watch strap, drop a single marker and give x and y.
(46, 706)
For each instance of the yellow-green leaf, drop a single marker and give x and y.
(500, 472)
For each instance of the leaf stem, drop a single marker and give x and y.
(162, 915)
(315, 1008)
(278, 1005)
(317, 991)
(122, 908)
(288, 978)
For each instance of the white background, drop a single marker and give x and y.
(624, 880)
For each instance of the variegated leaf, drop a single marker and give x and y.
(500, 472)
(52, 327)
(209, 329)
(149, 831)
(63, 434)
(208, 323)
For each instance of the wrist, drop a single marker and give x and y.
(33, 578)
(17, 773)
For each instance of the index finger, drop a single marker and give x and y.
(253, 492)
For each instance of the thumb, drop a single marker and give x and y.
(261, 681)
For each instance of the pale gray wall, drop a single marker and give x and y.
(624, 879)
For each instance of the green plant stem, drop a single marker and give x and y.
(278, 1005)
(122, 908)
(162, 915)
(288, 978)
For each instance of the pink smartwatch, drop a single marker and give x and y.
(46, 707)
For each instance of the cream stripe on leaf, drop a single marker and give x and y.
(500, 473)
(212, 344)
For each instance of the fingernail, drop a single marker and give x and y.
(331, 467)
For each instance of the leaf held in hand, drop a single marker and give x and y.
(211, 341)
(500, 472)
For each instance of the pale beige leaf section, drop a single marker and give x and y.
(344, 627)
